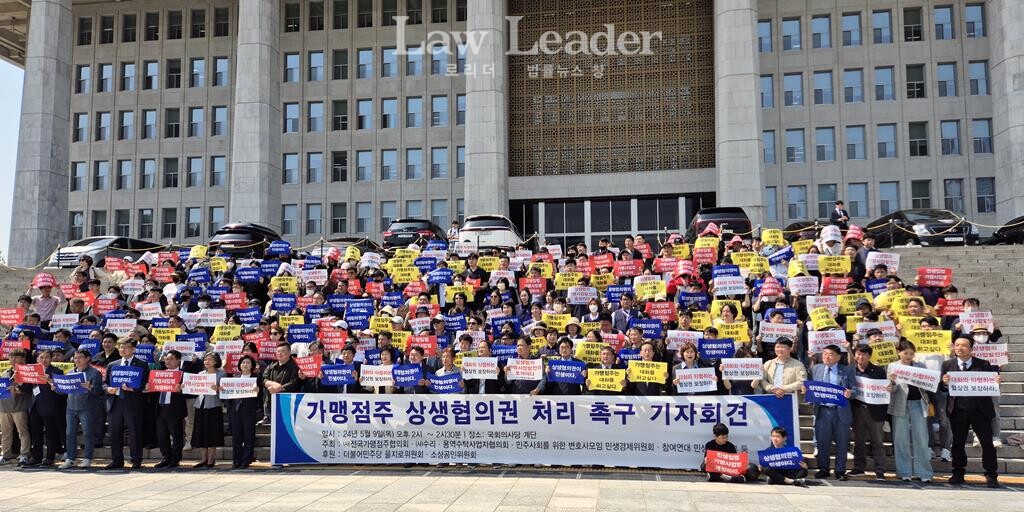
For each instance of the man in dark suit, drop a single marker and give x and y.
(967, 412)
(46, 417)
(867, 418)
(426, 368)
(832, 423)
(170, 418)
(840, 217)
(125, 409)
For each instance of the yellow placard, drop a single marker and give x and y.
(602, 281)
(848, 302)
(821, 319)
(738, 331)
(450, 291)
(701, 320)
(802, 247)
(400, 339)
(286, 321)
(647, 371)
(649, 289)
(742, 259)
(288, 284)
(681, 251)
(403, 275)
(554, 321)
(909, 324)
(5, 366)
(460, 355)
(758, 264)
(226, 332)
(899, 305)
(488, 263)
(605, 380)
(796, 268)
(586, 327)
(589, 351)
(197, 252)
(931, 342)
(884, 299)
(457, 266)
(352, 253)
(717, 304)
(834, 264)
(773, 237)
(706, 241)
(405, 252)
(851, 323)
(380, 324)
(546, 269)
(65, 367)
(218, 264)
(566, 280)
(165, 334)
(397, 262)
(884, 352)
(537, 343)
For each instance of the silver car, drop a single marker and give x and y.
(99, 247)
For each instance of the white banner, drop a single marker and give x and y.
(238, 387)
(973, 384)
(803, 285)
(67, 321)
(507, 274)
(823, 301)
(524, 369)
(479, 368)
(676, 339)
(923, 378)
(580, 294)
(818, 340)
(888, 328)
(198, 383)
(376, 375)
(995, 353)
(122, 326)
(317, 275)
(891, 261)
(518, 429)
(696, 380)
(871, 391)
(969, 320)
(132, 287)
(730, 285)
(149, 310)
(810, 261)
(770, 332)
(212, 317)
(742, 368)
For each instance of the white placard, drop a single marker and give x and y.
(730, 285)
(370, 259)
(317, 275)
(823, 301)
(524, 369)
(463, 249)
(376, 375)
(190, 318)
(810, 261)
(212, 317)
(229, 347)
(485, 368)
(973, 384)
(581, 294)
(132, 287)
(923, 378)
(198, 383)
(64, 321)
(478, 336)
(997, 354)
(969, 320)
(149, 310)
(238, 387)
(742, 368)
(770, 332)
(888, 328)
(696, 380)
(676, 339)
(803, 285)
(507, 274)
(186, 348)
(891, 261)
(555, 250)
(122, 326)
(416, 325)
(818, 340)
(871, 391)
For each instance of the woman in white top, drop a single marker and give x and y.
(208, 429)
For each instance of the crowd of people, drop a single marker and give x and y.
(819, 309)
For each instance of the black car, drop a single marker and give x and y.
(730, 220)
(403, 232)
(806, 229)
(1011, 233)
(243, 239)
(364, 245)
(922, 226)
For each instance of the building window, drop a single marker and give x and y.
(912, 25)
(83, 76)
(888, 197)
(921, 194)
(339, 65)
(102, 126)
(339, 115)
(76, 225)
(316, 16)
(918, 136)
(174, 22)
(125, 171)
(460, 161)
(99, 223)
(315, 117)
(291, 118)
(388, 213)
(768, 151)
(147, 179)
(146, 223)
(947, 79)
(953, 190)
(388, 11)
(314, 167)
(106, 37)
(981, 135)
(855, 143)
(364, 114)
(339, 14)
(221, 22)
(291, 67)
(791, 34)
(794, 146)
(974, 18)
(460, 59)
(944, 23)
(364, 13)
(986, 195)
(314, 218)
(388, 63)
(105, 80)
(316, 67)
(824, 144)
(80, 133)
(389, 113)
(460, 211)
(821, 31)
(439, 211)
(170, 172)
(796, 202)
(414, 10)
(364, 67)
(950, 133)
(218, 171)
(413, 112)
(151, 79)
(977, 74)
(771, 204)
(438, 163)
(129, 25)
(195, 122)
(853, 85)
(388, 165)
(414, 164)
(148, 124)
(84, 31)
(363, 221)
(439, 11)
(767, 91)
(289, 219)
(851, 29)
(152, 26)
(220, 121)
(122, 223)
(127, 76)
(414, 209)
(414, 61)
(438, 59)
(915, 81)
(857, 199)
(827, 196)
(125, 125)
(216, 218)
(339, 166)
(764, 36)
(339, 217)
(885, 89)
(793, 89)
(822, 87)
(289, 168)
(198, 24)
(173, 73)
(292, 18)
(439, 111)
(194, 178)
(193, 222)
(460, 109)
(169, 226)
(364, 165)
(881, 27)
(77, 176)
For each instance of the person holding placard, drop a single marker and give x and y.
(783, 374)
(242, 416)
(125, 408)
(80, 408)
(794, 476)
(832, 422)
(741, 387)
(981, 336)
(555, 387)
(170, 417)
(970, 412)
(520, 386)
(647, 352)
(690, 360)
(867, 418)
(47, 415)
(208, 432)
(908, 406)
(14, 413)
(721, 443)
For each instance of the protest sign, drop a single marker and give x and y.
(70, 384)
(441, 385)
(309, 366)
(803, 285)
(883, 352)
(729, 285)
(524, 369)
(871, 391)
(675, 339)
(566, 371)
(647, 371)
(770, 332)
(787, 457)
(822, 318)
(125, 375)
(485, 368)
(973, 384)
(818, 340)
(891, 261)
(934, 276)
(163, 380)
(376, 375)
(738, 331)
(338, 374)
(605, 380)
(719, 348)
(696, 380)
(198, 383)
(923, 378)
(824, 393)
(995, 353)
(742, 368)
(732, 464)
(232, 388)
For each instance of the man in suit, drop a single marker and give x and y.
(625, 313)
(831, 422)
(46, 417)
(867, 418)
(967, 412)
(422, 387)
(170, 417)
(840, 217)
(80, 409)
(125, 409)
(485, 386)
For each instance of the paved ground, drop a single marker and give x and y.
(467, 490)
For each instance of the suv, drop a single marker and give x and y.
(403, 232)
(730, 220)
(922, 226)
(490, 232)
(364, 245)
(99, 247)
(243, 239)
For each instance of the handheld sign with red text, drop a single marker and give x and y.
(732, 464)
(923, 378)
(695, 380)
(524, 369)
(934, 276)
(238, 387)
(742, 368)
(198, 383)
(309, 366)
(871, 391)
(29, 374)
(973, 384)
(163, 381)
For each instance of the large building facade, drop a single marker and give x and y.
(324, 118)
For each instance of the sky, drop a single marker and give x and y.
(10, 114)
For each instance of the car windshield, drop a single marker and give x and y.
(928, 216)
(487, 223)
(93, 241)
(407, 226)
(231, 237)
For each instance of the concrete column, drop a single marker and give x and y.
(486, 185)
(737, 113)
(39, 220)
(1007, 39)
(256, 125)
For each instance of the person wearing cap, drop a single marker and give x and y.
(867, 418)
(981, 336)
(45, 305)
(840, 217)
(783, 374)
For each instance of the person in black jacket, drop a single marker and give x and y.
(348, 356)
(840, 217)
(47, 416)
(170, 417)
(607, 363)
(967, 412)
(485, 386)
(282, 376)
(242, 416)
(867, 418)
(647, 388)
(422, 387)
(565, 388)
(125, 409)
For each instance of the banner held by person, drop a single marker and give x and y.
(973, 384)
(824, 393)
(696, 380)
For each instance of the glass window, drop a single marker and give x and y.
(388, 11)
(316, 66)
(364, 13)
(826, 199)
(363, 221)
(851, 29)
(193, 222)
(169, 223)
(439, 110)
(81, 129)
(170, 172)
(438, 163)
(822, 87)
(767, 91)
(365, 64)
(291, 118)
(316, 16)
(950, 137)
(946, 73)
(127, 76)
(977, 74)
(986, 195)
(460, 161)
(339, 166)
(364, 114)
(216, 218)
(125, 172)
(389, 113)
(796, 202)
(76, 225)
(460, 210)
(853, 85)
(974, 18)
(339, 217)
(289, 219)
(460, 109)
(981, 135)
(82, 79)
(364, 165)
(460, 59)
(953, 190)
(218, 171)
(439, 12)
(148, 124)
(768, 141)
(152, 26)
(84, 31)
(220, 121)
(105, 80)
(764, 36)
(413, 61)
(791, 34)
(794, 146)
(916, 87)
(912, 25)
(771, 204)
(855, 143)
(174, 22)
(888, 197)
(101, 175)
(439, 211)
(885, 89)
(291, 67)
(314, 167)
(825, 144)
(292, 18)
(921, 194)
(339, 115)
(126, 125)
(290, 168)
(195, 122)
(389, 63)
(106, 32)
(173, 73)
(793, 89)
(151, 80)
(944, 23)
(221, 23)
(339, 14)
(339, 65)
(146, 223)
(122, 223)
(147, 179)
(388, 164)
(314, 218)
(413, 112)
(918, 138)
(414, 164)
(857, 199)
(388, 212)
(881, 27)
(821, 31)
(198, 23)
(102, 126)
(315, 116)
(414, 10)
(414, 209)
(129, 24)
(438, 59)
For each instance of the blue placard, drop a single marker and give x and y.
(875, 286)
(215, 292)
(183, 253)
(651, 327)
(787, 457)
(269, 267)
(440, 276)
(455, 323)
(198, 339)
(13, 335)
(83, 331)
(279, 248)
(446, 384)
(781, 255)
(337, 300)
(50, 345)
(629, 354)
(312, 262)
(697, 299)
(407, 375)
(302, 333)
(125, 375)
(249, 316)
(338, 374)
(283, 302)
(93, 346)
(615, 291)
(716, 348)
(362, 306)
(497, 322)
(824, 393)
(503, 352)
(443, 341)
(70, 384)
(393, 299)
(116, 314)
(725, 271)
(436, 245)
(200, 275)
(566, 371)
(145, 352)
(160, 322)
(372, 356)
(314, 311)
(5, 391)
(425, 264)
(249, 274)
(788, 314)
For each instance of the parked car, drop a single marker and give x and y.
(364, 245)
(403, 232)
(99, 247)
(922, 226)
(1011, 233)
(490, 232)
(243, 239)
(729, 219)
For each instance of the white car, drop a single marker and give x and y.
(490, 232)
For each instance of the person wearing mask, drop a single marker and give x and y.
(170, 417)
(970, 412)
(867, 418)
(242, 416)
(908, 406)
(47, 415)
(80, 408)
(126, 409)
(208, 433)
